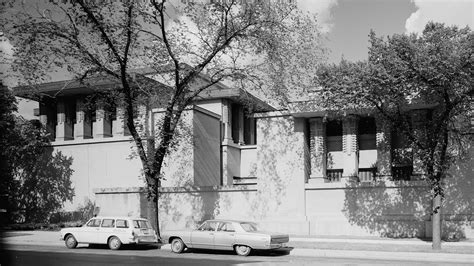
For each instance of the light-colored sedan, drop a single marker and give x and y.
(240, 236)
(113, 231)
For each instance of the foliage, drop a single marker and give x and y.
(404, 75)
(39, 180)
(185, 48)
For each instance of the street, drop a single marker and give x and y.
(100, 255)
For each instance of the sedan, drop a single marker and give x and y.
(113, 231)
(240, 236)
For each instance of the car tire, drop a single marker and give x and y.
(70, 241)
(242, 250)
(177, 245)
(114, 243)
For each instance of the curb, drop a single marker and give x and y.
(385, 255)
(381, 241)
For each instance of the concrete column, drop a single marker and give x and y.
(317, 132)
(64, 123)
(384, 156)
(227, 120)
(120, 127)
(350, 146)
(83, 127)
(418, 120)
(102, 124)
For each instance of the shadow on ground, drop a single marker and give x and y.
(262, 253)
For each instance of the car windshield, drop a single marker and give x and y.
(142, 224)
(249, 227)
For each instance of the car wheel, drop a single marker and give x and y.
(70, 241)
(242, 250)
(177, 245)
(114, 243)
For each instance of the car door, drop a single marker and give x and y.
(90, 231)
(224, 238)
(203, 237)
(106, 229)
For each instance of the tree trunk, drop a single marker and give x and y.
(436, 223)
(152, 214)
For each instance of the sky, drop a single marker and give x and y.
(347, 23)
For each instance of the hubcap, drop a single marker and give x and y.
(177, 245)
(115, 243)
(242, 249)
(70, 241)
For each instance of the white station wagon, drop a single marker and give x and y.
(113, 231)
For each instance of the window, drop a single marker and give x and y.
(142, 224)
(244, 129)
(250, 132)
(334, 135)
(367, 174)
(121, 224)
(367, 133)
(208, 226)
(226, 227)
(402, 156)
(249, 227)
(334, 175)
(108, 223)
(93, 223)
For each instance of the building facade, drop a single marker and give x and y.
(298, 171)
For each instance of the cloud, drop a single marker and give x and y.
(450, 12)
(323, 10)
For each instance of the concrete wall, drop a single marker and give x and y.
(281, 174)
(103, 163)
(248, 161)
(189, 206)
(395, 209)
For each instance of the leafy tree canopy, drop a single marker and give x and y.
(35, 181)
(421, 85)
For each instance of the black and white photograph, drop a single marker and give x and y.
(236, 132)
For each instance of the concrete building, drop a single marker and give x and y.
(296, 171)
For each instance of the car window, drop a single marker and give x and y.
(249, 227)
(142, 224)
(108, 223)
(93, 223)
(208, 226)
(226, 227)
(121, 224)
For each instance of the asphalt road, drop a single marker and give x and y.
(100, 255)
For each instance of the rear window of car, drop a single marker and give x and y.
(93, 223)
(249, 227)
(142, 224)
(121, 224)
(108, 223)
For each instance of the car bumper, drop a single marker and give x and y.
(276, 245)
(144, 240)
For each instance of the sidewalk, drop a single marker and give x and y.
(319, 246)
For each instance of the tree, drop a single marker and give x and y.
(35, 180)
(256, 45)
(432, 71)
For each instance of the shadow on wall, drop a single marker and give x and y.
(190, 206)
(403, 208)
(280, 153)
(280, 156)
(388, 210)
